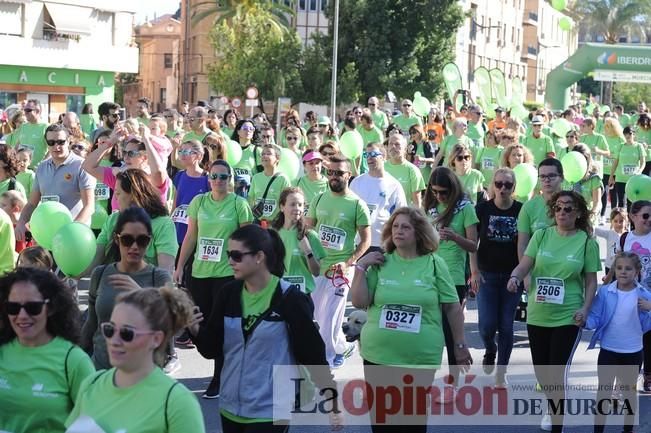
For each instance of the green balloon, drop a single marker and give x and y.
(561, 127)
(519, 112)
(559, 5)
(289, 163)
(574, 166)
(99, 217)
(421, 105)
(638, 188)
(46, 220)
(73, 248)
(565, 23)
(233, 152)
(525, 179)
(351, 144)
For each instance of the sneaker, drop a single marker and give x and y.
(500, 380)
(172, 365)
(546, 423)
(488, 363)
(212, 391)
(338, 362)
(349, 350)
(448, 395)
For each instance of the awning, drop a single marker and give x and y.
(70, 20)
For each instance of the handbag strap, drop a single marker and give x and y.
(266, 190)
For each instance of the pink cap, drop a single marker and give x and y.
(312, 156)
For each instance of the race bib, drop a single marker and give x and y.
(332, 237)
(629, 169)
(46, 198)
(268, 206)
(487, 164)
(550, 290)
(371, 209)
(405, 318)
(298, 280)
(102, 192)
(210, 249)
(180, 214)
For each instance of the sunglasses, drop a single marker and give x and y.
(292, 138)
(126, 334)
(128, 240)
(406, 105)
(463, 157)
(77, 147)
(335, 173)
(114, 115)
(220, 176)
(28, 110)
(247, 128)
(132, 153)
(500, 185)
(33, 308)
(372, 154)
(439, 192)
(571, 136)
(56, 142)
(371, 105)
(238, 256)
(186, 152)
(544, 177)
(566, 209)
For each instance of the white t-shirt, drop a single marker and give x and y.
(382, 195)
(624, 332)
(612, 244)
(641, 245)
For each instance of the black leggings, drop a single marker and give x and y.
(646, 342)
(619, 192)
(229, 426)
(626, 382)
(449, 341)
(606, 192)
(552, 349)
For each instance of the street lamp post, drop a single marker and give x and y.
(335, 43)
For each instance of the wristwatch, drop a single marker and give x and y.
(461, 346)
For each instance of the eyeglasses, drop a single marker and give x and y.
(28, 110)
(128, 240)
(439, 192)
(292, 138)
(566, 209)
(220, 176)
(238, 256)
(247, 128)
(132, 153)
(371, 105)
(500, 185)
(464, 157)
(186, 152)
(33, 308)
(78, 147)
(372, 154)
(550, 177)
(335, 173)
(127, 334)
(571, 136)
(56, 142)
(114, 115)
(406, 105)
(167, 116)
(269, 137)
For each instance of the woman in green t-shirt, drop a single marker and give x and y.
(271, 180)
(472, 180)
(628, 161)
(303, 249)
(407, 290)
(41, 368)
(136, 395)
(644, 135)
(563, 260)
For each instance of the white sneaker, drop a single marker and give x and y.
(546, 423)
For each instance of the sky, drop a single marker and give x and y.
(148, 8)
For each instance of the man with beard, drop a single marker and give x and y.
(109, 114)
(337, 215)
(404, 171)
(142, 111)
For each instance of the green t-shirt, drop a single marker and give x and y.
(246, 167)
(472, 183)
(409, 177)
(585, 188)
(404, 325)
(297, 270)
(194, 136)
(425, 168)
(259, 184)
(216, 221)
(614, 144)
(539, 147)
(595, 141)
(644, 136)
(39, 385)
(380, 119)
(404, 122)
(311, 188)
(26, 179)
(488, 159)
(629, 161)
(624, 120)
(453, 255)
(157, 403)
(88, 123)
(336, 219)
(7, 244)
(163, 237)
(33, 136)
(4, 186)
(476, 133)
(557, 283)
(374, 135)
(254, 304)
(534, 215)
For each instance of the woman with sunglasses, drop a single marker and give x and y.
(497, 256)
(135, 395)
(131, 237)
(628, 161)
(133, 189)
(453, 215)
(411, 281)
(471, 179)
(271, 181)
(294, 139)
(292, 119)
(249, 164)
(563, 260)
(215, 148)
(212, 218)
(258, 321)
(41, 368)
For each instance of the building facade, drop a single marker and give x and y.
(64, 53)
(310, 18)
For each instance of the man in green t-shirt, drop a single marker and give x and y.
(407, 118)
(337, 215)
(369, 132)
(32, 133)
(404, 171)
(379, 117)
(142, 111)
(540, 145)
(197, 120)
(476, 128)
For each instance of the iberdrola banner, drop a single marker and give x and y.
(483, 80)
(498, 83)
(452, 78)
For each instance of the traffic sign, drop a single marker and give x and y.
(252, 103)
(224, 100)
(252, 92)
(236, 102)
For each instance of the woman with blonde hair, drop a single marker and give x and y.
(614, 134)
(516, 154)
(16, 119)
(292, 118)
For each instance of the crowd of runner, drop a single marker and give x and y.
(213, 239)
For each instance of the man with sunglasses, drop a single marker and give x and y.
(540, 145)
(198, 129)
(337, 215)
(407, 118)
(381, 192)
(379, 117)
(476, 127)
(109, 115)
(404, 171)
(31, 133)
(60, 178)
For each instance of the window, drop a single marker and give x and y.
(488, 30)
(301, 5)
(513, 34)
(312, 5)
(167, 60)
(324, 5)
(8, 98)
(163, 96)
(11, 19)
(74, 103)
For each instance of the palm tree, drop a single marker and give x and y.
(611, 19)
(280, 11)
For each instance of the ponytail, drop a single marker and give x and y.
(256, 238)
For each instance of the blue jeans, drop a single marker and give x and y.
(496, 307)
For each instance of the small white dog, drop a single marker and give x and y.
(353, 326)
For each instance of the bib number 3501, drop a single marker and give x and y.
(550, 290)
(405, 318)
(332, 237)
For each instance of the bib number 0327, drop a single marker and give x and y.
(405, 318)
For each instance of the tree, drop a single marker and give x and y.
(611, 19)
(248, 53)
(316, 71)
(630, 94)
